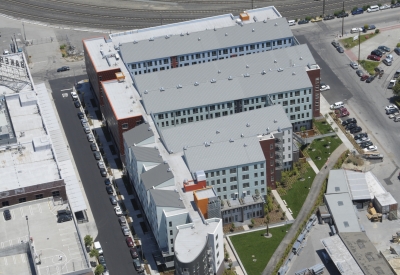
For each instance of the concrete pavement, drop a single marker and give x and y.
(283, 205)
(305, 210)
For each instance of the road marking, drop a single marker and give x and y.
(23, 258)
(5, 261)
(65, 90)
(22, 212)
(40, 208)
(14, 260)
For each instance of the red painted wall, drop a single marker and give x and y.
(269, 161)
(315, 76)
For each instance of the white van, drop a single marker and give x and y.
(291, 22)
(337, 105)
(373, 8)
(97, 246)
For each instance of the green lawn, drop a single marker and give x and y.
(262, 248)
(369, 66)
(323, 126)
(296, 196)
(321, 150)
(349, 43)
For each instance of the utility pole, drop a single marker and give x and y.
(323, 9)
(343, 20)
(29, 232)
(23, 27)
(359, 45)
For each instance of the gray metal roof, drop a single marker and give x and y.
(364, 252)
(146, 154)
(224, 154)
(343, 213)
(137, 134)
(166, 198)
(358, 186)
(156, 176)
(205, 40)
(337, 182)
(224, 90)
(228, 127)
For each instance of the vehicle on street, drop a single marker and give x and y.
(122, 220)
(370, 79)
(376, 155)
(63, 69)
(391, 83)
(97, 155)
(74, 96)
(387, 62)
(371, 148)
(303, 22)
(107, 182)
(394, 115)
(316, 19)
(93, 146)
(366, 144)
(329, 17)
(129, 242)
(356, 30)
(324, 87)
(335, 43)
(355, 130)
(291, 22)
(374, 57)
(125, 230)
(90, 137)
(340, 49)
(397, 51)
(377, 53)
(373, 8)
(86, 129)
(389, 57)
(360, 135)
(113, 200)
(360, 73)
(350, 126)
(349, 121)
(396, 118)
(384, 49)
(396, 5)
(342, 112)
(390, 107)
(77, 104)
(364, 77)
(391, 111)
(101, 164)
(7, 215)
(97, 246)
(102, 261)
(342, 14)
(81, 115)
(354, 65)
(137, 265)
(134, 253)
(396, 74)
(103, 172)
(337, 105)
(109, 189)
(370, 27)
(361, 140)
(384, 7)
(84, 122)
(357, 11)
(118, 210)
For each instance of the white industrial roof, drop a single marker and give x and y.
(358, 186)
(343, 213)
(196, 25)
(385, 199)
(206, 40)
(337, 182)
(341, 256)
(224, 154)
(374, 186)
(230, 81)
(102, 54)
(222, 129)
(120, 95)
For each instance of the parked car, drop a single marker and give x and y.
(340, 49)
(360, 135)
(324, 87)
(384, 49)
(389, 57)
(396, 5)
(125, 230)
(354, 65)
(103, 172)
(107, 182)
(342, 14)
(397, 51)
(329, 17)
(360, 140)
(97, 155)
(391, 111)
(394, 115)
(364, 77)
(63, 69)
(102, 261)
(137, 265)
(7, 215)
(356, 30)
(371, 148)
(370, 27)
(360, 73)
(366, 144)
(342, 112)
(357, 11)
(349, 121)
(387, 62)
(129, 242)
(118, 210)
(101, 164)
(109, 189)
(93, 146)
(113, 200)
(384, 7)
(356, 130)
(391, 107)
(335, 43)
(303, 22)
(74, 96)
(351, 126)
(77, 104)
(374, 57)
(81, 115)
(316, 19)
(370, 79)
(377, 52)
(396, 74)
(86, 129)
(134, 253)
(90, 137)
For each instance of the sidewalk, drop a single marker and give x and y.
(305, 210)
(313, 166)
(283, 206)
(235, 264)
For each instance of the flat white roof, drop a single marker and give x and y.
(342, 209)
(206, 193)
(102, 54)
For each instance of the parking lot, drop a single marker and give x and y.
(58, 247)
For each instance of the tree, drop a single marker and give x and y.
(267, 222)
(88, 240)
(396, 89)
(99, 270)
(94, 253)
(366, 27)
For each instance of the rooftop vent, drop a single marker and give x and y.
(218, 132)
(231, 140)
(275, 61)
(276, 24)
(230, 77)
(187, 33)
(219, 71)
(226, 34)
(346, 224)
(267, 130)
(247, 66)
(280, 70)
(245, 145)
(149, 129)
(294, 65)
(199, 39)
(134, 42)
(279, 129)
(206, 144)
(253, 30)
(215, 28)
(275, 121)
(145, 91)
(167, 36)
(182, 34)
(169, 170)
(301, 58)
(178, 86)
(213, 80)
(151, 39)
(162, 89)
(165, 162)
(185, 147)
(247, 75)
(270, 69)
(196, 83)
(171, 152)
(247, 124)
(241, 135)
(340, 203)
(263, 72)
(265, 20)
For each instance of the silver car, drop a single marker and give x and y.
(113, 200)
(125, 230)
(90, 137)
(354, 65)
(84, 121)
(101, 164)
(86, 129)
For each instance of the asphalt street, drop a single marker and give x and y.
(111, 238)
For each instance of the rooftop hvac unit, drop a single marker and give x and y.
(196, 84)
(213, 80)
(230, 77)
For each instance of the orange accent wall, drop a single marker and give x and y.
(202, 205)
(196, 186)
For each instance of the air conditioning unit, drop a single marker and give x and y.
(244, 194)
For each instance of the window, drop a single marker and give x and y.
(292, 102)
(280, 96)
(133, 66)
(212, 108)
(124, 125)
(255, 166)
(262, 174)
(178, 113)
(309, 106)
(5, 203)
(297, 109)
(171, 232)
(268, 44)
(166, 61)
(241, 49)
(198, 56)
(55, 193)
(246, 102)
(292, 117)
(262, 165)
(195, 110)
(218, 190)
(170, 224)
(214, 53)
(183, 120)
(150, 63)
(21, 200)
(206, 175)
(232, 179)
(38, 197)
(212, 174)
(223, 172)
(171, 241)
(285, 103)
(232, 170)
(181, 58)
(190, 119)
(224, 189)
(245, 185)
(225, 51)
(245, 168)
(245, 177)
(255, 175)
(297, 93)
(233, 187)
(256, 183)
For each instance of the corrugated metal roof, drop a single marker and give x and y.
(342, 210)
(337, 182)
(224, 154)
(146, 154)
(137, 134)
(358, 185)
(61, 154)
(205, 40)
(166, 198)
(225, 128)
(156, 176)
(223, 90)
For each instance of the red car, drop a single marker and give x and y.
(134, 253)
(342, 112)
(374, 57)
(129, 241)
(364, 77)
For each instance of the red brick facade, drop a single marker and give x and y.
(315, 77)
(268, 148)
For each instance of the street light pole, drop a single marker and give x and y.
(343, 19)
(359, 45)
(29, 232)
(323, 9)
